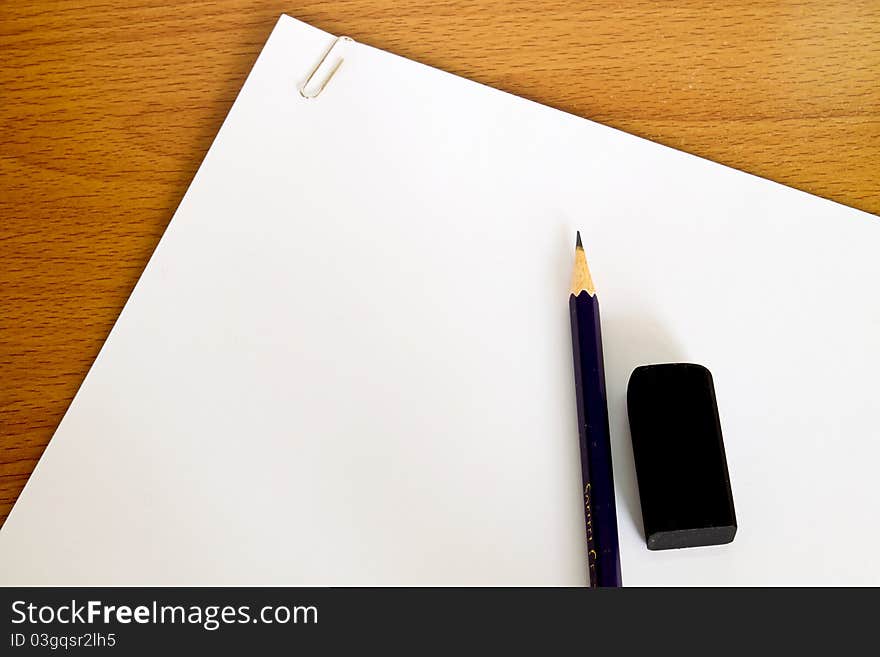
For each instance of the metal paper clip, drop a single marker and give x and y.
(320, 88)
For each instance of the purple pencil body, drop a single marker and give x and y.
(600, 510)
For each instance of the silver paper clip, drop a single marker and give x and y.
(332, 72)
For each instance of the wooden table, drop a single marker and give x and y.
(107, 110)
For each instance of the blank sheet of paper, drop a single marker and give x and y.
(349, 359)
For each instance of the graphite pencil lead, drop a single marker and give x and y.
(581, 280)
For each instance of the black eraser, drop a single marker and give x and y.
(681, 467)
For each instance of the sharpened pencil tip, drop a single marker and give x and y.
(581, 281)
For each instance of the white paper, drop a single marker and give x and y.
(349, 359)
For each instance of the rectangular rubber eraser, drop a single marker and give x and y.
(681, 466)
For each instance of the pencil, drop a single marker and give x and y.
(600, 513)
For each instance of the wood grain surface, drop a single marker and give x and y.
(107, 108)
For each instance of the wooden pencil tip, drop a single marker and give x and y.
(581, 280)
